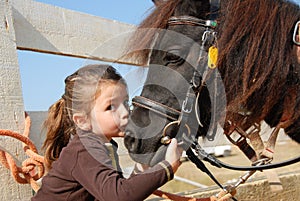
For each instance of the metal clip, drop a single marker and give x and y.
(208, 36)
(247, 175)
(186, 108)
(295, 34)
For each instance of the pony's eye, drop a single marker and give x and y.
(172, 58)
(175, 55)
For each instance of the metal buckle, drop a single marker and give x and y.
(165, 139)
(239, 134)
(296, 33)
(186, 107)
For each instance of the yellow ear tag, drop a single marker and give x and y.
(212, 57)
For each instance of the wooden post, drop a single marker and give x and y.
(11, 104)
(39, 27)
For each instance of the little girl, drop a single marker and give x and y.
(79, 150)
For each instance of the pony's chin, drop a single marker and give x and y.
(140, 158)
(158, 156)
(150, 159)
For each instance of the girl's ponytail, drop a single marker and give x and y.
(59, 128)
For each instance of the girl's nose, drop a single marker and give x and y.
(123, 110)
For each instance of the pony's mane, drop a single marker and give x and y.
(256, 49)
(140, 44)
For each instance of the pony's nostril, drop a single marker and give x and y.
(127, 133)
(130, 142)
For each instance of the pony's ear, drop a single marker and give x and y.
(157, 2)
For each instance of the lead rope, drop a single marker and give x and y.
(32, 168)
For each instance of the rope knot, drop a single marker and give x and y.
(33, 167)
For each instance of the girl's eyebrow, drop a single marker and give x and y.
(107, 100)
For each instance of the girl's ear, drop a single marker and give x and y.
(82, 121)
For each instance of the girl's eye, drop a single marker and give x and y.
(111, 107)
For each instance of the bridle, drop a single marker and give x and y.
(175, 116)
(180, 118)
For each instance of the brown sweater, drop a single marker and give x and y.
(85, 172)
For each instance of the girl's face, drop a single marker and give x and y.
(109, 116)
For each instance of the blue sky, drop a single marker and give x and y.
(43, 75)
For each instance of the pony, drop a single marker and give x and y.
(189, 90)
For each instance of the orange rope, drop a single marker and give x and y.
(35, 162)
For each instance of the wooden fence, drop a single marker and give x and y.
(34, 26)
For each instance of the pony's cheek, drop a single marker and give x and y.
(159, 155)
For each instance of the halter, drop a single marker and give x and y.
(156, 107)
(181, 117)
(190, 20)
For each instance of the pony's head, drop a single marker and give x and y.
(175, 38)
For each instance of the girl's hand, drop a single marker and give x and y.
(173, 155)
(138, 167)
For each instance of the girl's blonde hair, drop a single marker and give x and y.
(81, 90)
